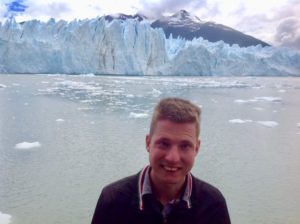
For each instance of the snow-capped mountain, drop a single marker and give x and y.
(188, 26)
(130, 47)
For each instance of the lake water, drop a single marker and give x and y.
(62, 138)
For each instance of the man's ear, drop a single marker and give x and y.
(148, 140)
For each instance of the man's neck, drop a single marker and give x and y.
(167, 192)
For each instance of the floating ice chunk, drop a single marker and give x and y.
(214, 100)
(240, 101)
(268, 99)
(156, 92)
(118, 103)
(258, 108)
(239, 121)
(138, 115)
(88, 75)
(298, 125)
(268, 123)
(27, 145)
(60, 120)
(130, 95)
(282, 91)
(85, 108)
(260, 99)
(2, 86)
(244, 101)
(4, 218)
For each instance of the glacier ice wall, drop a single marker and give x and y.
(129, 48)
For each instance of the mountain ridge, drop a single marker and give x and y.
(185, 25)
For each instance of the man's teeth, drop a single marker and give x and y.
(171, 168)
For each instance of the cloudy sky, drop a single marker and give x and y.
(274, 21)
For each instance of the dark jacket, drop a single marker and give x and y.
(119, 204)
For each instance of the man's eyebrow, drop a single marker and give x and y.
(186, 142)
(163, 139)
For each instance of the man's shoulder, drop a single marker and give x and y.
(205, 191)
(125, 186)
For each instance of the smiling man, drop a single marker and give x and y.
(165, 191)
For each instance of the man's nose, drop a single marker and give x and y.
(173, 154)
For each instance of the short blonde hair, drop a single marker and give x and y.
(176, 110)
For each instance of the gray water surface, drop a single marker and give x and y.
(90, 130)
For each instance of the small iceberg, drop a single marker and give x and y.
(260, 99)
(268, 123)
(268, 99)
(2, 86)
(130, 96)
(85, 108)
(4, 218)
(138, 115)
(27, 145)
(156, 92)
(239, 121)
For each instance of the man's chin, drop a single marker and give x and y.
(172, 181)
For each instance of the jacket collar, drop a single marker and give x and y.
(144, 187)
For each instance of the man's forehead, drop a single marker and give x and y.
(168, 127)
(168, 122)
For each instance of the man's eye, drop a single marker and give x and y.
(163, 144)
(185, 146)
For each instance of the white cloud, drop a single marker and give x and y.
(69, 10)
(256, 18)
(288, 32)
(158, 8)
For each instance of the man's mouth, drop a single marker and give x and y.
(170, 169)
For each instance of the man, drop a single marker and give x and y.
(165, 191)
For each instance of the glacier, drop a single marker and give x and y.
(130, 47)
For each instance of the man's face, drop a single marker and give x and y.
(172, 150)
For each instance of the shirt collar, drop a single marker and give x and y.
(145, 187)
